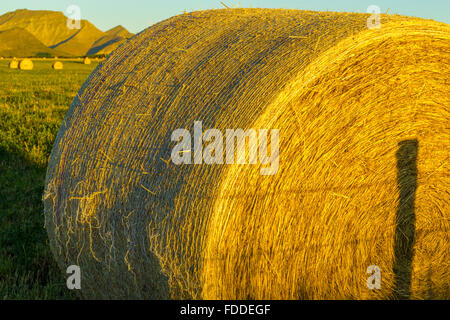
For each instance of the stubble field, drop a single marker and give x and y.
(32, 107)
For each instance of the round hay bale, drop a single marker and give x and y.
(26, 64)
(58, 65)
(346, 101)
(87, 61)
(14, 64)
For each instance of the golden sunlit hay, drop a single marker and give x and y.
(311, 231)
(14, 64)
(87, 60)
(343, 98)
(58, 65)
(26, 64)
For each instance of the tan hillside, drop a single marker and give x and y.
(18, 42)
(113, 38)
(50, 28)
(80, 43)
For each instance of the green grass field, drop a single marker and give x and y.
(32, 107)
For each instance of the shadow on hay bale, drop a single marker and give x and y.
(405, 220)
(141, 227)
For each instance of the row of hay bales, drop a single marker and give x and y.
(27, 64)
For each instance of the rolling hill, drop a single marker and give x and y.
(47, 26)
(80, 43)
(113, 38)
(50, 30)
(18, 42)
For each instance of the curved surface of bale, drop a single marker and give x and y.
(343, 97)
(58, 65)
(87, 60)
(26, 64)
(14, 64)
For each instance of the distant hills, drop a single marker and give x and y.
(18, 42)
(110, 41)
(27, 33)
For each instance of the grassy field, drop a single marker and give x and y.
(32, 107)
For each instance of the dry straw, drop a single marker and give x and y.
(87, 60)
(26, 64)
(14, 64)
(345, 99)
(58, 65)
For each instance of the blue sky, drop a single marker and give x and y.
(137, 15)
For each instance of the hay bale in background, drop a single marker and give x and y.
(58, 65)
(141, 227)
(14, 64)
(87, 60)
(26, 64)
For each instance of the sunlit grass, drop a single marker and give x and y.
(32, 107)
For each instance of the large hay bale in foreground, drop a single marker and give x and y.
(26, 64)
(58, 65)
(14, 64)
(343, 97)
